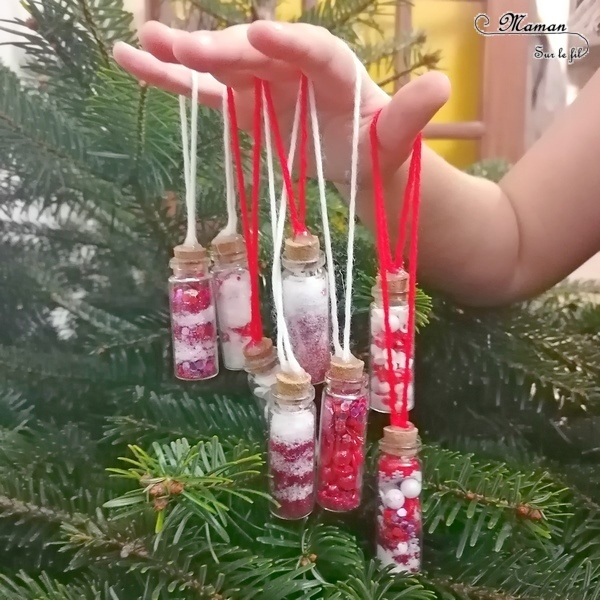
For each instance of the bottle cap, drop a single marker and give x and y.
(228, 247)
(190, 254)
(292, 386)
(260, 356)
(302, 248)
(351, 370)
(400, 441)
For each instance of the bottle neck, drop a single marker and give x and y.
(262, 366)
(395, 298)
(289, 404)
(355, 387)
(186, 268)
(230, 261)
(304, 268)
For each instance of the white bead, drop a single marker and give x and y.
(394, 499)
(384, 387)
(399, 359)
(411, 488)
(401, 548)
(399, 388)
(394, 323)
(374, 351)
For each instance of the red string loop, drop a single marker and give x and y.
(389, 264)
(249, 221)
(298, 225)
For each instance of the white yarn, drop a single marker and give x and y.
(352, 205)
(314, 122)
(287, 360)
(190, 151)
(270, 169)
(232, 220)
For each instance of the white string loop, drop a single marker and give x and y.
(189, 142)
(314, 122)
(287, 360)
(232, 219)
(352, 206)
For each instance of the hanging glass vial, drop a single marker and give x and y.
(379, 386)
(292, 440)
(193, 319)
(342, 436)
(399, 517)
(306, 304)
(262, 366)
(233, 298)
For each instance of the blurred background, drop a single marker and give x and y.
(502, 99)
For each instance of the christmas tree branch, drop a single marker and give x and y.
(487, 497)
(95, 31)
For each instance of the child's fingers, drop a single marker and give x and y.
(158, 39)
(322, 57)
(176, 79)
(230, 58)
(407, 113)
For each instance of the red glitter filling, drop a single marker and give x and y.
(309, 336)
(191, 298)
(284, 463)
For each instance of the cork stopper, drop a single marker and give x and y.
(228, 248)
(351, 370)
(397, 282)
(400, 441)
(302, 248)
(293, 386)
(190, 254)
(260, 356)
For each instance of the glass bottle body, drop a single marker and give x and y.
(193, 322)
(342, 435)
(399, 515)
(379, 385)
(291, 455)
(306, 312)
(233, 302)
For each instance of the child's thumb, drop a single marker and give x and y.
(410, 109)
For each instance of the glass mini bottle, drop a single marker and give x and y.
(380, 394)
(291, 449)
(342, 435)
(399, 515)
(306, 304)
(193, 319)
(262, 366)
(233, 295)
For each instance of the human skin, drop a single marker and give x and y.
(483, 243)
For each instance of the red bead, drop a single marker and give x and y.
(347, 483)
(342, 457)
(327, 475)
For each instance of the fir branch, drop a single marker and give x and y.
(488, 497)
(141, 122)
(191, 476)
(94, 30)
(43, 587)
(165, 416)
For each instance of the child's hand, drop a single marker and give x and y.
(278, 52)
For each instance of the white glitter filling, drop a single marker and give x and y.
(295, 492)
